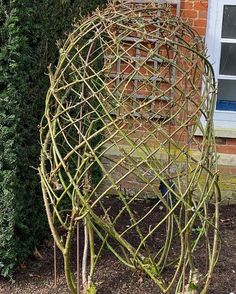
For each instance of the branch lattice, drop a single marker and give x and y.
(131, 88)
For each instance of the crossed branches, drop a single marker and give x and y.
(131, 88)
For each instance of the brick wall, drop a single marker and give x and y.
(195, 12)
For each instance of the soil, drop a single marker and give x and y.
(112, 277)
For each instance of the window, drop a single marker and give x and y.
(221, 42)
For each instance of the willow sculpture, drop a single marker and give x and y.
(131, 88)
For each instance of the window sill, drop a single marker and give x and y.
(221, 132)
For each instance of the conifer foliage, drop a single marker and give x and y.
(29, 31)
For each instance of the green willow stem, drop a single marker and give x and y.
(123, 108)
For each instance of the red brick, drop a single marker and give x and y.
(200, 23)
(202, 14)
(220, 141)
(226, 149)
(189, 13)
(200, 5)
(186, 5)
(201, 31)
(230, 141)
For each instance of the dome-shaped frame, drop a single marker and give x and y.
(131, 89)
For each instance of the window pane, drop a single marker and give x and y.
(228, 59)
(229, 22)
(226, 99)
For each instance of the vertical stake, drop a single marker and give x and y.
(55, 262)
(78, 259)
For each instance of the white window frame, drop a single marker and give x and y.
(222, 119)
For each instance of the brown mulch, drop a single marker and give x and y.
(36, 277)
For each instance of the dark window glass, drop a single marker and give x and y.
(228, 59)
(227, 90)
(226, 99)
(229, 22)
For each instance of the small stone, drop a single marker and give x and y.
(124, 285)
(140, 280)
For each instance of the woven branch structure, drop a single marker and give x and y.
(131, 89)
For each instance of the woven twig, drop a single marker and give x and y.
(131, 88)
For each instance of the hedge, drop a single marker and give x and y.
(29, 31)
